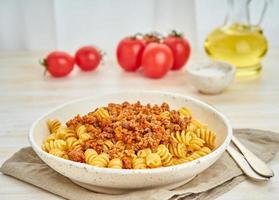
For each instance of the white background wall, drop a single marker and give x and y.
(67, 24)
(104, 24)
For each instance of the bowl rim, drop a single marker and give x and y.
(231, 69)
(158, 170)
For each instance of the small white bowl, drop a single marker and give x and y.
(211, 77)
(116, 181)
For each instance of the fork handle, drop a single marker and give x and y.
(255, 162)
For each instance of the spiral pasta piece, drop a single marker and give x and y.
(144, 152)
(177, 161)
(165, 115)
(191, 127)
(119, 145)
(208, 136)
(165, 155)
(90, 155)
(115, 163)
(50, 137)
(139, 163)
(55, 144)
(100, 160)
(184, 112)
(184, 137)
(61, 132)
(178, 150)
(70, 133)
(197, 154)
(153, 160)
(102, 113)
(108, 144)
(53, 125)
(73, 144)
(59, 153)
(196, 143)
(82, 133)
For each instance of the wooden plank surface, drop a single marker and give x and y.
(25, 94)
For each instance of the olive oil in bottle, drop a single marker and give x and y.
(239, 41)
(241, 45)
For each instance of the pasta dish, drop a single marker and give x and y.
(130, 136)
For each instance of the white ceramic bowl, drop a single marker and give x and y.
(121, 180)
(211, 77)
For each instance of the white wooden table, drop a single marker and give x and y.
(25, 94)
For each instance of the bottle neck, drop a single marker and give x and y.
(238, 12)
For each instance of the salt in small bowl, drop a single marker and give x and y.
(211, 77)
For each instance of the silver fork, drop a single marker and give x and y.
(243, 164)
(251, 165)
(255, 162)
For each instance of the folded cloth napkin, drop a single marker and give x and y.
(213, 182)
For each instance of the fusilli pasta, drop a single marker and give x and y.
(70, 134)
(197, 154)
(139, 163)
(208, 136)
(50, 137)
(59, 153)
(73, 144)
(101, 113)
(55, 144)
(100, 160)
(185, 112)
(115, 163)
(131, 136)
(143, 153)
(90, 155)
(184, 137)
(178, 150)
(165, 155)
(153, 160)
(108, 144)
(196, 143)
(82, 134)
(165, 115)
(61, 132)
(53, 125)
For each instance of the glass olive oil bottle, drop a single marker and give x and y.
(238, 42)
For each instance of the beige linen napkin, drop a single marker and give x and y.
(213, 182)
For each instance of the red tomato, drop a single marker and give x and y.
(59, 63)
(151, 37)
(88, 58)
(129, 52)
(157, 59)
(180, 48)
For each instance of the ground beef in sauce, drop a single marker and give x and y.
(135, 125)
